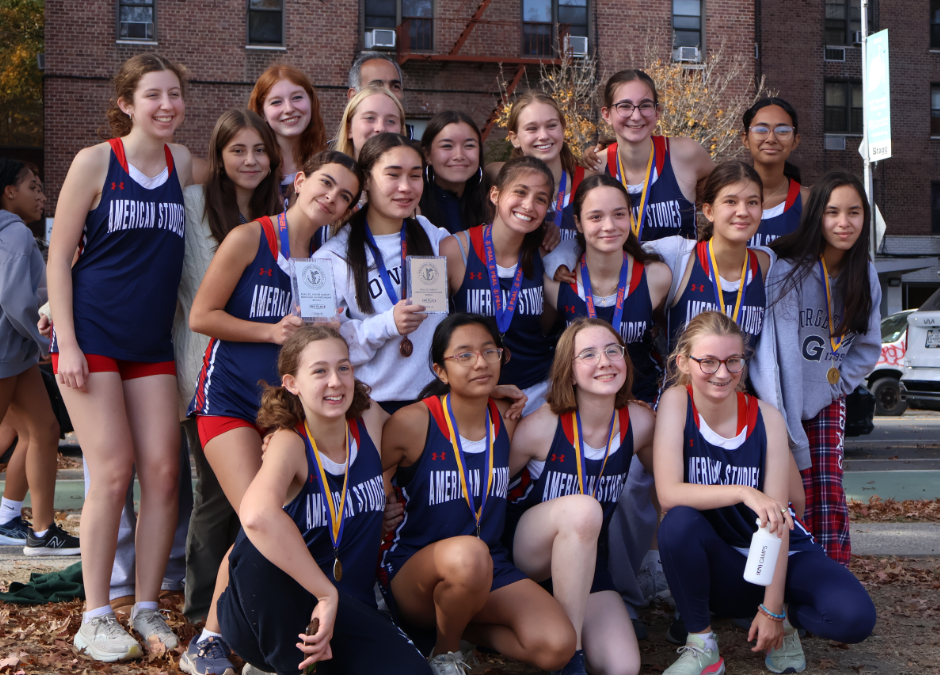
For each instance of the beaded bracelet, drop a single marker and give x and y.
(770, 615)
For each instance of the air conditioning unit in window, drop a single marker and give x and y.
(835, 142)
(380, 38)
(688, 54)
(576, 46)
(857, 37)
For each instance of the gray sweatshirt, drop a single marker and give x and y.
(804, 353)
(22, 275)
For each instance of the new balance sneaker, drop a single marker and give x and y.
(55, 541)
(210, 657)
(103, 639)
(697, 659)
(576, 666)
(451, 663)
(14, 532)
(789, 658)
(149, 623)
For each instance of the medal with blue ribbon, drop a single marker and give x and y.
(406, 348)
(622, 292)
(580, 458)
(560, 202)
(503, 313)
(832, 375)
(336, 515)
(638, 222)
(716, 284)
(462, 465)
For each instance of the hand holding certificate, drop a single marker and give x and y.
(427, 283)
(312, 282)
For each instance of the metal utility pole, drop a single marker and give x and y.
(866, 156)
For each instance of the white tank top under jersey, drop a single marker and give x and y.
(536, 466)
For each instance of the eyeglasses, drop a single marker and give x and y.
(612, 352)
(647, 109)
(710, 365)
(470, 358)
(781, 133)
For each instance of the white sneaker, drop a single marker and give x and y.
(103, 639)
(150, 623)
(451, 663)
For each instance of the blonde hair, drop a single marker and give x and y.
(568, 161)
(706, 323)
(561, 396)
(344, 143)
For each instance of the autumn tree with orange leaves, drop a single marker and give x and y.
(21, 40)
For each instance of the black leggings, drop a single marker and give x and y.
(264, 609)
(706, 574)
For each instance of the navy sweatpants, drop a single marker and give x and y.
(264, 609)
(706, 575)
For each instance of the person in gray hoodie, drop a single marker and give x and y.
(824, 302)
(22, 275)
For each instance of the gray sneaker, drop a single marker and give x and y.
(251, 670)
(789, 658)
(150, 623)
(103, 639)
(451, 663)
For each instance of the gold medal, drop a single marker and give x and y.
(406, 348)
(337, 569)
(833, 375)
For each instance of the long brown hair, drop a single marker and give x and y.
(313, 138)
(125, 84)
(221, 209)
(568, 161)
(281, 409)
(561, 396)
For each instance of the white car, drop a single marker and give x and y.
(884, 380)
(920, 382)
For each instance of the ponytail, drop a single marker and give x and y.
(280, 409)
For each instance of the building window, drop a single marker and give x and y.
(136, 20)
(935, 24)
(686, 24)
(935, 110)
(843, 108)
(389, 14)
(844, 19)
(935, 208)
(539, 18)
(266, 23)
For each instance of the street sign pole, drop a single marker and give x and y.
(866, 155)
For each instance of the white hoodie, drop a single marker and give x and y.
(373, 338)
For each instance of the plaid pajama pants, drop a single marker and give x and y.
(827, 515)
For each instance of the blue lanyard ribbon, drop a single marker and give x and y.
(285, 236)
(637, 225)
(462, 462)
(622, 292)
(503, 314)
(560, 202)
(380, 264)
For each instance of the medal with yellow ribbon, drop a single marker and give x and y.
(716, 284)
(335, 515)
(832, 375)
(462, 465)
(580, 458)
(638, 221)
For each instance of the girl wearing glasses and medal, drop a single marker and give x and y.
(312, 522)
(722, 467)
(825, 300)
(615, 279)
(445, 567)
(574, 454)
(770, 134)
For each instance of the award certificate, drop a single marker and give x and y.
(427, 283)
(312, 282)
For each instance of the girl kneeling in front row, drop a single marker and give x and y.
(721, 462)
(312, 521)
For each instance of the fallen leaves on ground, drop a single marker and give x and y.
(878, 510)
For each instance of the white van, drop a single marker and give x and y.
(920, 383)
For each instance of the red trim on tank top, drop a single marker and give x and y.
(701, 250)
(792, 194)
(623, 415)
(268, 228)
(575, 182)
(436, 407)
(635, 279)
(748, 408)
(117, 145)
(476, 240)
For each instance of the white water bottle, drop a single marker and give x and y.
(762, 557)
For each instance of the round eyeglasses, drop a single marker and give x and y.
(710, 365)
(781, 133)
(590, 355)
(469, 358)
(647, 109)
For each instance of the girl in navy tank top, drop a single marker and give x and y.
(723, 465)
(660, 173)
(574, 454)
(496, 270)
(245, 306)
(537, 129)
(122, 208)
(722, 273)
(628, 286)
(312, 528)
(770, 133)
(450, 458)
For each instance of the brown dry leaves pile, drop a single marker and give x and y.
(879, 510)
